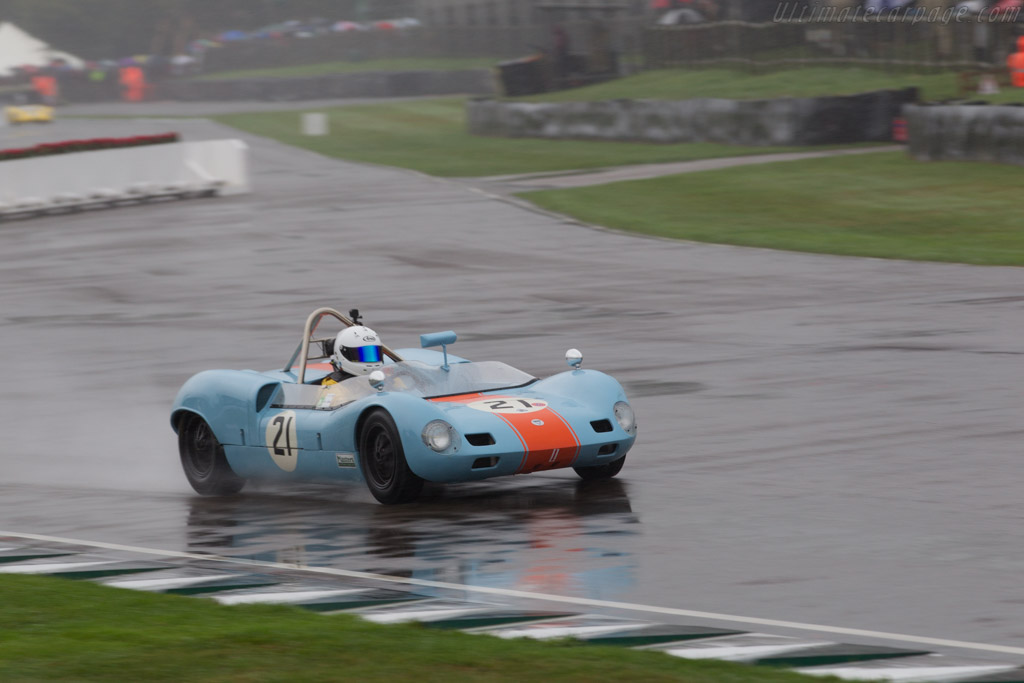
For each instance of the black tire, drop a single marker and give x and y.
(202, 458)
(383, 463)
(606, 471)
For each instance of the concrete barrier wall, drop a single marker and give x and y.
(132, 173)
(222, 162)
(355, 84)
(786, 121)
(966, 133)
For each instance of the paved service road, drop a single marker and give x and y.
(559, 180)
(825, 440)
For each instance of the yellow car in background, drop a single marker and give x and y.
(29, 113)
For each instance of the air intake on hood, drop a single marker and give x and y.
(484, 439)
(601, 426)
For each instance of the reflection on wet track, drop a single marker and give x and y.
(562, 538)
(558, 537)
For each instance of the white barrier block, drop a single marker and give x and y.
(220, 165)
(29, 203)
(209, 166)
(222, 162)
(314, 123)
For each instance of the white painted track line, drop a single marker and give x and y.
(282, 597)
(162, 584)
(739, 651)
(49, 568)
(422, 615)
(542, 632)
(933, 674)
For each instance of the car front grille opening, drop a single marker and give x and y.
(482, 439)
(601, 426)
(484, 463)
(607, 449)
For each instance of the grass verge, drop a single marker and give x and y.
(323, 68)
(55, 629)
(883, 205)
(677, 84)
(430, 136)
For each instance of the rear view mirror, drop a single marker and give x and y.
(437, 339)
(442, 339)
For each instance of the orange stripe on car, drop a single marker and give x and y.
(547, 439)
(550, 442)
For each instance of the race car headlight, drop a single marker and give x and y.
(438, 435)
(625, 417)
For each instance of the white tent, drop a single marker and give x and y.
(18, 48)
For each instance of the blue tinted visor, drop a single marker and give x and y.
(362, 354)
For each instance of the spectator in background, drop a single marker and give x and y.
(560, 41)
(46, 86)
(1015, 62)
(981, 37)
(133, 84)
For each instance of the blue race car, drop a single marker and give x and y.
(422, 415)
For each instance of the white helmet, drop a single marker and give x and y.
(357, 351)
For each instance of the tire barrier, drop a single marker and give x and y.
(354, 84)
(66, 183)
(788, 121)
(966, 133)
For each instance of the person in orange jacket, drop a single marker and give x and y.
(46, 86)
(133, 84)
(1015, 62)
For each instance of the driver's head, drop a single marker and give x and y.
(357, 351)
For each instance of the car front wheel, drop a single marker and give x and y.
(383, 463)
(202, 458)
(606, 471)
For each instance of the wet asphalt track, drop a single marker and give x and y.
(825, 440)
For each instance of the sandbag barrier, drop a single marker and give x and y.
(966, 132)
(865, 117)
(100, 198)
(331, 86)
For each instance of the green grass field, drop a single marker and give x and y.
(408, 64)
(430, 136)
(60, 630)
(671, 84)
(883, 205)
(679, 84)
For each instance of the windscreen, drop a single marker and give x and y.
(409, 377)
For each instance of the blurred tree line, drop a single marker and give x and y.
(101, 29)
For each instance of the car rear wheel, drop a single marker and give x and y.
(202, 458)
(383, 461)
(606, 471)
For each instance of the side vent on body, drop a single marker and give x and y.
(484, 463)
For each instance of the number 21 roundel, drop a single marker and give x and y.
(281, 440)
(509, 405)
